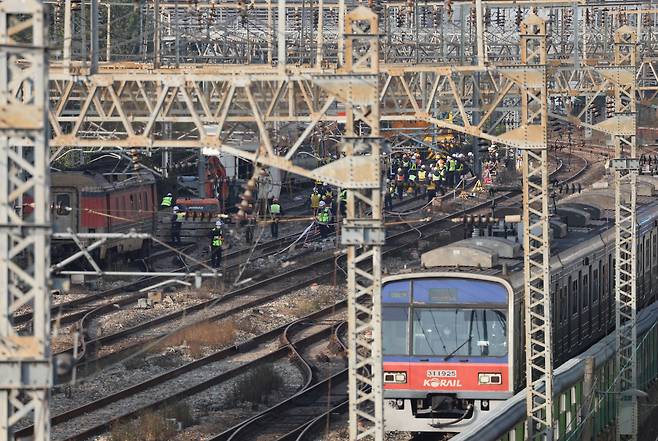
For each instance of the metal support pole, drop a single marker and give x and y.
(25, 359)
(108, 37)
(281, 35)
(94, 36)
(536, 240)
(479, 30)
(270, 25)
(68, 39)
(201, 174)
(156, 34)
(363, 234)
(320, 34)
(626, 167)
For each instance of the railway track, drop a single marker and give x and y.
(186, 380)
(287, 419)
(395, 243)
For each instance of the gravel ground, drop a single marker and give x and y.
(125, 374)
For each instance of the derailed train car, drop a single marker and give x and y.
(90, 202)
(454, 330)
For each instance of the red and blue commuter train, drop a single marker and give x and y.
(445, 345)
(453, 331)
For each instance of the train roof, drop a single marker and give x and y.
(581, 224)
(93, 181)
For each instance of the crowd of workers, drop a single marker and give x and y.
(424, 174)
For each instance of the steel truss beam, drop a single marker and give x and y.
(536, 239)
(626, 167)
(25, 367)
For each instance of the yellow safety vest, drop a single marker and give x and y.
(166, 201)
(180, 216)
(422, 175)
(452, 164)
(275, 208)
(217, 241)
(323, 216)
(315, 200)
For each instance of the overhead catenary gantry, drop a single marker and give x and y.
(308, 76)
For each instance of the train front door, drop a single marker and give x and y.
(64, 214)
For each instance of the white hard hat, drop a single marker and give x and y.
(176, 208)
(322, 204)
(218, 223)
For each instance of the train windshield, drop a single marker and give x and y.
(454, 332)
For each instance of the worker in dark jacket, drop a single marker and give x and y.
(275, 213)
(216, 242)
(176, 223)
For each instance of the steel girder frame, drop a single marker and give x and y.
(536, 239)
(626, 167)
(25, 368)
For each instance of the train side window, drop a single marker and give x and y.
(586, 294)
(63, 204)
(647, 255)
(139, 202)
(132, 202)
(595, 285)
(563, 304)
(655, 246)
(574, 297)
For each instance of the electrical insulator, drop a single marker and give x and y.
(604, 16)
(448, 7)
(609, 108)
(398, 18)
(500, 17)
(473, 16)
(519, 17)
(588, 17)
(487, 16)
(134, 156)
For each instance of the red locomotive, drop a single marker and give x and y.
(87, 202)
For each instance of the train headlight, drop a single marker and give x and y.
(395, 377)
(485, 378)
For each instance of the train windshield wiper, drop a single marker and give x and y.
(449, 356)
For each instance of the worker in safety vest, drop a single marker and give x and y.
(450, 172)
(413, 167)
(167, 201)
(315, 200)
(459, 171)
(176, 223)
(323, 218)
(412, 187)
(275, 212)
(422, 179)
(216, 242)
(405, 164)
(400, 182)
(342, 197)
(439, 177)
